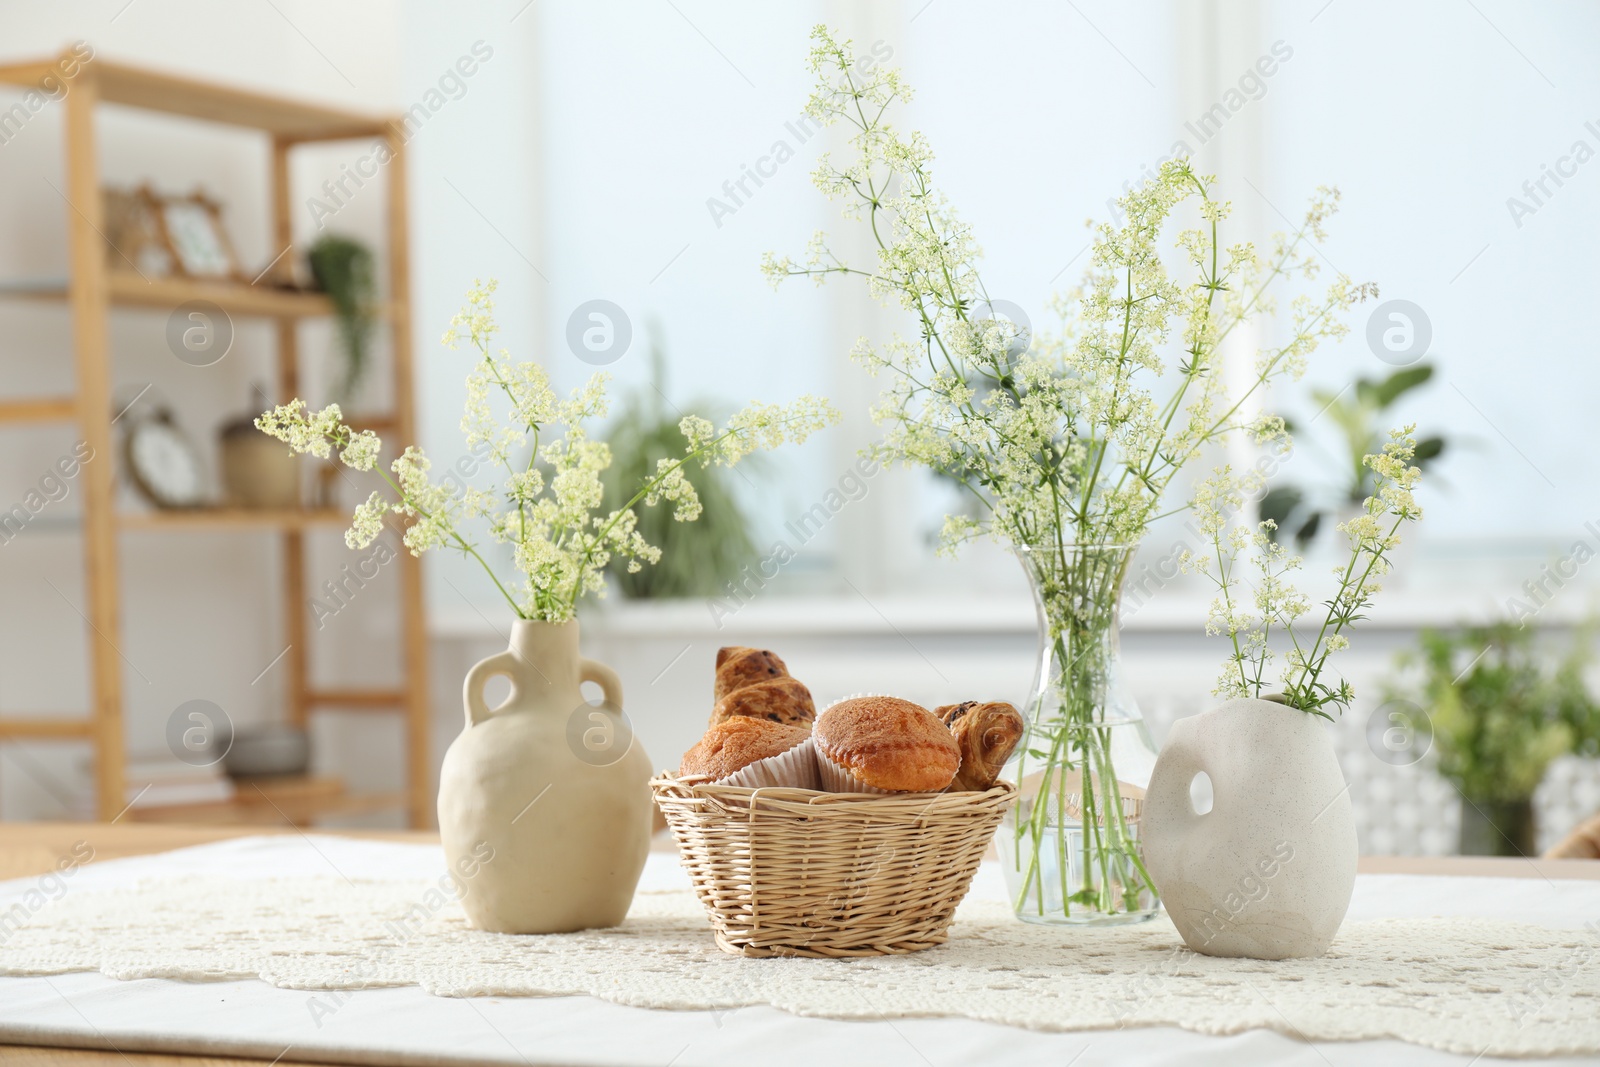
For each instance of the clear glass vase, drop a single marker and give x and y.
(1070, 848)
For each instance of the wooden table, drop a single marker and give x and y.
(34, 848)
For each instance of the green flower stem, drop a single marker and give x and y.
(1077, 585)
(1310, 675)
(461, 542)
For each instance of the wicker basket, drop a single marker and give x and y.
(792, 872)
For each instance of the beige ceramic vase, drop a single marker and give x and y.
(1268, 871)
(544, 802)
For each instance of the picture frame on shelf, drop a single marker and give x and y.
(194, 234)
(134, 236)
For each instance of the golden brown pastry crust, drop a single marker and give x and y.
(889, 743)
(738, 666)
(784, 700)
(1583, 843)
(985, 733)
(733, 745)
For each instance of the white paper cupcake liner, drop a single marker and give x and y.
(794, 769)
(837, 778)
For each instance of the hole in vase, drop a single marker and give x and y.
(1200, 793)
(496, 691)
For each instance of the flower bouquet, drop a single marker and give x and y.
(1067, 445)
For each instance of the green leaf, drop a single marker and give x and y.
(1278, 504)
(1308, 530)
(1429, 448)
(1401, 382)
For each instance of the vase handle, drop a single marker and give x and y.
(610, 685)
(505, 663)
(1173, 775)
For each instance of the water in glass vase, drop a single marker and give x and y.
(1071, 854)
(1087, 872)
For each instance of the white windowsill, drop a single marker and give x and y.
(851, 615)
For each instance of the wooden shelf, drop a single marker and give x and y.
(357, 699)
(119, 83)
(93, 291)
(127, 289)
(46, 409)
(131, 290)
(45, 726)
(232, 518)
(296, 800)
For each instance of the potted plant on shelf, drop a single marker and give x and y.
(1268, 869)
(343, 268)
(1065, 444)
(544, 808)
(1499, 715)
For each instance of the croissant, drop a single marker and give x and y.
(755, 683)
(986, 733)
(738, 667)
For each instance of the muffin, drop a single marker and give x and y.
(753, 753)
(878, 744)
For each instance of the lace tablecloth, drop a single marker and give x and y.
(346, 923)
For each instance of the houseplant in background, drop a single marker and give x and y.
(573, 860)
(1356, 411)
(343, 268)
(695, 560)
(1063, 443)
(1268, 870)
(1499, 714)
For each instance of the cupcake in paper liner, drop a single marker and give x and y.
(879, 744)
(753, 754)
(794, 769)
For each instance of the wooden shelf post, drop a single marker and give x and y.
(295, 660)
(92, 366)
(419, 701)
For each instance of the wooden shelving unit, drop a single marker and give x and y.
(274, 801)
(93, 291)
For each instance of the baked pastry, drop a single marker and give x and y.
(784, 700)
(753, 753)
(1582, 844)
(878, 744)
(986, 734)
(738, 666)
(753, 682)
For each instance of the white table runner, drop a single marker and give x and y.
(384, 1025)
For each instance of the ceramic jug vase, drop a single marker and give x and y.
(544, 802)
(1267, 872)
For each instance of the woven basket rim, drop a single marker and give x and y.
(696, 787)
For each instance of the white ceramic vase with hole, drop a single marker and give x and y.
(1268, 870)
(544, 801)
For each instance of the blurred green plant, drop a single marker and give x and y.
(343, 268)
(1500, 712)
(696, 561)
(1300, 511)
